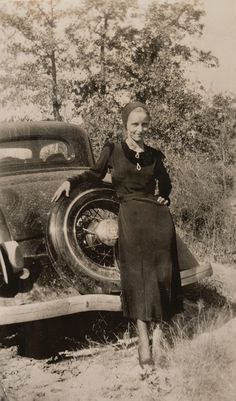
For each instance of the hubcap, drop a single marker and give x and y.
(96, 232)
(105, 230)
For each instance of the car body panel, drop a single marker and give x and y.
(30, 195)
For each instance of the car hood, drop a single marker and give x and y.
(25, 201)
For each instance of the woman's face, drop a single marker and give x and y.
(137, 124)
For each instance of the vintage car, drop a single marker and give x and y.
(73, 237)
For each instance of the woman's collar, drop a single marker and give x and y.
(134, 146)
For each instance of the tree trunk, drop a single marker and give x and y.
(223, 169)
(55, 100)
(103, 57)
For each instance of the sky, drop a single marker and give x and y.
(219, 36)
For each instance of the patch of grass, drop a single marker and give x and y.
(205, 306)
(196, 358)
(201, 369)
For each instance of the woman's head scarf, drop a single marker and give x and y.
(129, 108)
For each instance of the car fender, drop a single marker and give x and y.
(11, 259)
(4, 230)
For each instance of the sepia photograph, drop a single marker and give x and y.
(117, 200)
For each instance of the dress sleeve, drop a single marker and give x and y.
(98, 171)
(161, 174)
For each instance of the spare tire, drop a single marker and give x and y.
(80, 254)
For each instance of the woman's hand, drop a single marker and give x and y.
(162, 201)
(65, 187)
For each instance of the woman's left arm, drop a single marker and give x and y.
(164, 182)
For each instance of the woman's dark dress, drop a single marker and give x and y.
(150, 278)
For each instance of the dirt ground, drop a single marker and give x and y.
(109, 375)
(102, 373)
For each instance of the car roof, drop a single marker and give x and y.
(72, 133)
(28, 129)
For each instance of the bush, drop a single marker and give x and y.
(199, 205)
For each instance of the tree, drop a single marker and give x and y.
(128, 55)
(36, 62)
(99, 23)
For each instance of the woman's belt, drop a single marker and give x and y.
(138, 197)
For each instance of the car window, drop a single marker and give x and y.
(7, 153)
(56, 151)
(34, 152)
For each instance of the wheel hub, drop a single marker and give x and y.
(106, 231)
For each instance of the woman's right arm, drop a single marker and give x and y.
(96, 173)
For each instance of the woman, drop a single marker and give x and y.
(150, 279)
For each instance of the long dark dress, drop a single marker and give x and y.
(148, 262)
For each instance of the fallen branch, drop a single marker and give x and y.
(88, 352)
(3, 396)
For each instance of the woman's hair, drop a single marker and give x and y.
(125, 112)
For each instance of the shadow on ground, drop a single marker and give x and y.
(46, 338)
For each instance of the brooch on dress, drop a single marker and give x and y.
(137, 164)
